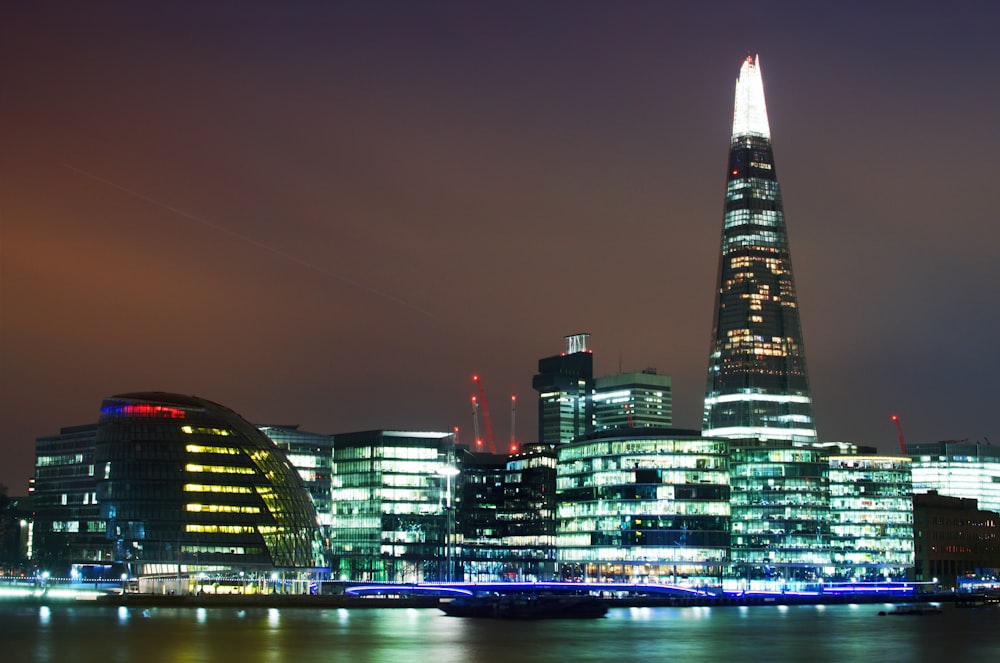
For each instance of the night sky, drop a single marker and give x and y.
(332, 214)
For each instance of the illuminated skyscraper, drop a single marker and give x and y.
(757, 381)
(565, 384)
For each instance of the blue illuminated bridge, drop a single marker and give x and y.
(833, 593)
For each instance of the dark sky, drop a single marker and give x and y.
(334, 213)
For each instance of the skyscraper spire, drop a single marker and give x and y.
(757, 381)
(750, 111)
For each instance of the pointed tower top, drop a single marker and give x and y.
(750, 113)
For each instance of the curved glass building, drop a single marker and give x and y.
(188, 485)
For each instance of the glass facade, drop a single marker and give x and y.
(650, 508)
(186, 485)
(392, 506)
(564, 384)
(871, 518)
(757, 382)
(529, 513)
(780, 506)
(958, 469)
(67, 527)
(632, 400)
(479, 501)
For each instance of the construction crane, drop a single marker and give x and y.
(513, 437)
(486, 414)
(899, 430)
(475, 424)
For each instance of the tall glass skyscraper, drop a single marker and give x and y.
(757, 381)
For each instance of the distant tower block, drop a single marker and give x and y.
(757, 381)
(564, 383)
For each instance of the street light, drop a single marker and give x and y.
(448, 471)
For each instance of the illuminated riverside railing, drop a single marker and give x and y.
(870, 589)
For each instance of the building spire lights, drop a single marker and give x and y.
(750, 111)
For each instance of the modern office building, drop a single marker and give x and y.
(393, 506)
(564, 384)
(780, 507)
(478, 537)
(312, 456)
(958, 468)
(643, 506)
(954, 539)
(529, 513)
(632, 400)
(67, 528)
(187, 486)
(757, 381)
(871, 518)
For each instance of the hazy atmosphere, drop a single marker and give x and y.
(332, 214)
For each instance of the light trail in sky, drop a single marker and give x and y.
(249, 240)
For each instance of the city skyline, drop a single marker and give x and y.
(334, 216)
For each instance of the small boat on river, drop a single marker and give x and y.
(527, 606)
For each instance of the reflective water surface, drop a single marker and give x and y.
(762, 633)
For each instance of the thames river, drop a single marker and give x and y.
(841, 633)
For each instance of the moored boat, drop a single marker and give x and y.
(527, 606)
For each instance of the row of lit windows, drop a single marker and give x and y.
(202, 449)
(202, 430)
(764, 218)
(220, 529)
(641, 508)
(219, 469)
(211, 488)
(763, 237)
(221, 508)
(65, 459)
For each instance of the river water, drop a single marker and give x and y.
(842, 633)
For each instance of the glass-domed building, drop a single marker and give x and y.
(187, 485)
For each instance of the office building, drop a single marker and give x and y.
(632, 400)
(564, 384)
(958, 468)
(529, 513)
(479, 528)
(67, 528)
(392, 506)
(780, 507)
(757, 381)
(187, 486)
(871, 518)
(643, 506)
(954, 540)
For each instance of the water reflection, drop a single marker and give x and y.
(816, 633)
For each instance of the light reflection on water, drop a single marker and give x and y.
(774, 633)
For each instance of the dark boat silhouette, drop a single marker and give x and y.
(527, 606)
